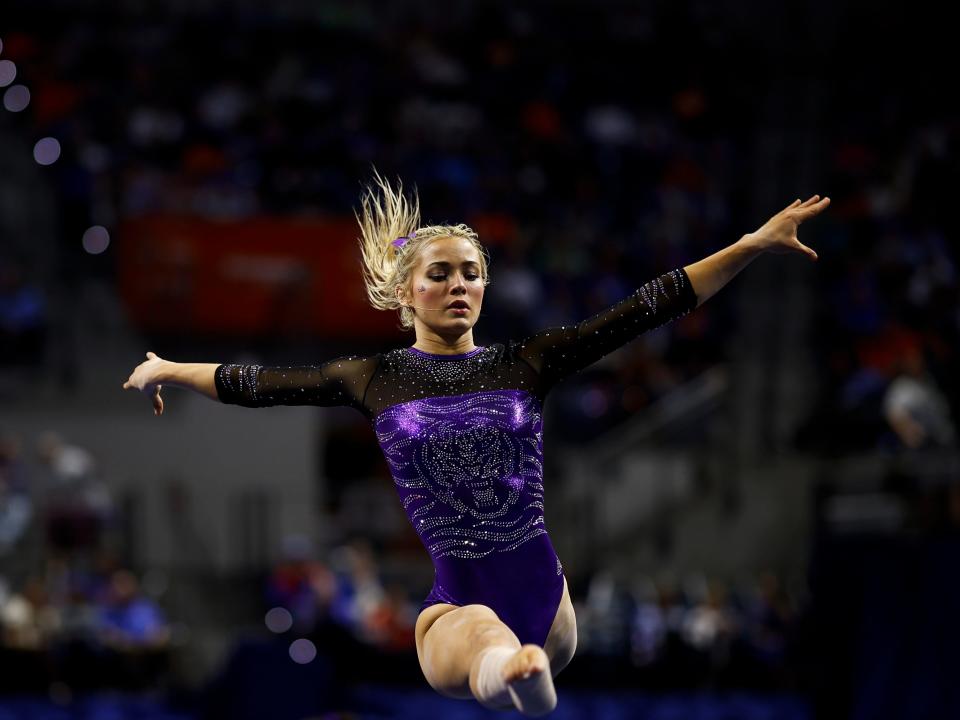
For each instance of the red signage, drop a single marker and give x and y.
(275, 277)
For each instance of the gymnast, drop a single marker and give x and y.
(460, 426)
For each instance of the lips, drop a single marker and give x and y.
(458, 304)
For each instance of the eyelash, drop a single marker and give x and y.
(469, 276)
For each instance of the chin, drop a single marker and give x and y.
(459, 325)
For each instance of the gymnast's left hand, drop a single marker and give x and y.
(779, 233)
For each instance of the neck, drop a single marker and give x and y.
(439, 345)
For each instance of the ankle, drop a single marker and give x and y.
(486, 677)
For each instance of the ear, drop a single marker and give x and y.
(402, 295)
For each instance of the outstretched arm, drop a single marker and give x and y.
(778, 235)
(341, 381)
(557, 352)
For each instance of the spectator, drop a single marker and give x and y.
(916, 409)
(130, 620)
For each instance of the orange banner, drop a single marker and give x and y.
(274, 277)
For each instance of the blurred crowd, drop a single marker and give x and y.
(887, 321)
(582, 188)
(303, 592)
(698, 633)
(72, 615)
(664, 634)
(592, 151)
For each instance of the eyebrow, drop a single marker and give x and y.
(444, 263)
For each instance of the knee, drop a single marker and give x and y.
(483, 627)
(451, 644)
(476, 626)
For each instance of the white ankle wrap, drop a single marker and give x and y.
(492, 691)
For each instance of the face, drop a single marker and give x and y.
(447, 272)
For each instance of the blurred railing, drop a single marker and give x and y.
(619, 490)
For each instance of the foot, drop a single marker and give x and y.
(528, 661)
(528, 678)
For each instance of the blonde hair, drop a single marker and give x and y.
(387, 215)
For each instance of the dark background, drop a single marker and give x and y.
(757, 506)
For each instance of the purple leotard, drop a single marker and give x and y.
(462, 435)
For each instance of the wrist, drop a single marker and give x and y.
(166, 372)
(750, 243)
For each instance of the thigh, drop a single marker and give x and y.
(561, 641)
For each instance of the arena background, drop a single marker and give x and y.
(757, 506)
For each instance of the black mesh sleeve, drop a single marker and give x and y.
(342, 381)
(558, 352)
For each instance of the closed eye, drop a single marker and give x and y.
(468, 276)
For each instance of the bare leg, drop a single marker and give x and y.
(468, 652)
(561, 642)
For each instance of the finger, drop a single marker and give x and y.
(150, 355)
(815, 209)
(809, 201)
(808, 251)
(792, 205)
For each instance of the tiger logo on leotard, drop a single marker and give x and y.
(468, 469)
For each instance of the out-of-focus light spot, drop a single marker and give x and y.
(46, 151)
(302, 651)
(16, 98)
(594, 402)
(96, 240)
(8, 72)
(278, 620)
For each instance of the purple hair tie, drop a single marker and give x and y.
(401, 241)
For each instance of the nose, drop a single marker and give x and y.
(460, 286)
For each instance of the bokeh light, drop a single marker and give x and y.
(278, 620)
(96, 239)
(46, 151)
(8, 72)
(16, 98)
(594, 402)
(302, 651)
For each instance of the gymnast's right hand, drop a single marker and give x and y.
(144, 378)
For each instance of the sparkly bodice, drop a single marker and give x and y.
(462, 434)
(468, 469)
